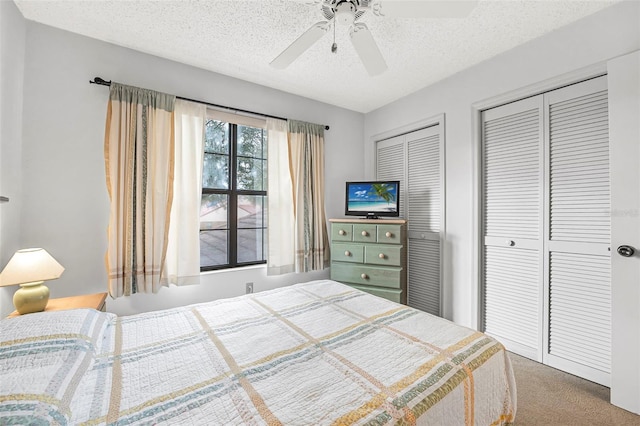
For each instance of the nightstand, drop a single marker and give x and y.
(95, 301)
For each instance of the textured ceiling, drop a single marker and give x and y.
(240, 38)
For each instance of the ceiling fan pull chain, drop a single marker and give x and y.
(334, 46)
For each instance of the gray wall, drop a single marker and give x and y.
(64, 198)
(599, 37)
(12, 49)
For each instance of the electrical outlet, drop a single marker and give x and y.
(249, 288)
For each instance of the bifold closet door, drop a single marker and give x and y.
(391, 164)
(547, 228)
(416, 159)
(577, 250)
(512, 223)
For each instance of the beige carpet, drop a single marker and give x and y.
(547, 396)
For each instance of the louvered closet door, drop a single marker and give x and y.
(422, 204)
(391, 165)
(577, 251)
(512, 221)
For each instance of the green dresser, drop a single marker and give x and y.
(371, 255)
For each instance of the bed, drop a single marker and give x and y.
(309, 354)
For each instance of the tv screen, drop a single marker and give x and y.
(373, 199)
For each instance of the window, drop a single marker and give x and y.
(234, 194)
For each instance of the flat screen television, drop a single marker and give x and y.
(373, 199)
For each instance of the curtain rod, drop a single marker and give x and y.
(103, 82)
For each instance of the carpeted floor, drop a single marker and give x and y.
(547, 396)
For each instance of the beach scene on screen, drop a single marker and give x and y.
(373, 197)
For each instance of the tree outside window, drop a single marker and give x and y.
(234, 190)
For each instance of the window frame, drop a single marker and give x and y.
(233, 193)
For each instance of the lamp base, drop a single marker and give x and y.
(31, 297)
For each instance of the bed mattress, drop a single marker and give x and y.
(310, 354)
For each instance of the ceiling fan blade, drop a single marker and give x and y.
(367, 49)
(424, 8)
(302, 43)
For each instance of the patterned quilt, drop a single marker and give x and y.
(317, 353)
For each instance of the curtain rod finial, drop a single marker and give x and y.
(99, 80)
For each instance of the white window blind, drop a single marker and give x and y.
(235, 118)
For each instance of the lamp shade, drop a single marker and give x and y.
(30, 265)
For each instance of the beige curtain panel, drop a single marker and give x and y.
(306, 157)
(139, 164)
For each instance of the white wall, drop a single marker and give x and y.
(12, 50)
(65, 203)
(599, 37)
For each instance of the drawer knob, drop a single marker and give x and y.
(364, 276)
(365, 233)
(388, 234)
(382, 256)
(341, 232)
(347, 253)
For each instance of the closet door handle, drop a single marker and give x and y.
(626, 251)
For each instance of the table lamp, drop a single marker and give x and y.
(30, 268)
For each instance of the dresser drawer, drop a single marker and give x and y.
(341, 232)
(367, 275)
(345, 252)
(364, 233)
(389, 234)
(387, 293)
(379, 254)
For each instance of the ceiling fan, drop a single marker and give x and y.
(347, 12)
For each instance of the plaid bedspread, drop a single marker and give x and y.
(310, 354)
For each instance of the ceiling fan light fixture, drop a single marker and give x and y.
(345, 12)
(349, 12)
